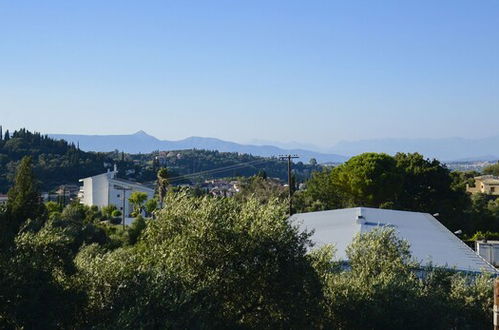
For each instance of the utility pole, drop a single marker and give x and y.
(124, 190)
(288, 158)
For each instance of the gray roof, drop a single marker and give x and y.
(132, 183)
(429, 240)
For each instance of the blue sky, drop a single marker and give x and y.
(309, 71)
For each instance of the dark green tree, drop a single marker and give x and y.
(429, 187)
(25, 207)
(321, 193)
(492, 169)
(369, 179)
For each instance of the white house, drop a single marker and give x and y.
(489, 250)
(105, 189)
(429, 240)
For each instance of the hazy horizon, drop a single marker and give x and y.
(256, 141)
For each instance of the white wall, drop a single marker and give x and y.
(100, 190)
(87, 192)
(118, 201)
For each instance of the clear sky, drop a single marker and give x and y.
(309, 71)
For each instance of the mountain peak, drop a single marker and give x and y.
(141, 132)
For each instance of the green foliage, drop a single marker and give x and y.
(162, 184)
(135, 230)
(405, 181)
(492, 169)
(107, 211)
(263, 189)
(151, 205)
(137, 199)
(484, 235)
(322, 192)
(55, 162)
(369, 179)
(217, 246)
(224, 263)
(188, 269)
(380, 290)
(35, 282)
(53, 207)
(116, 214)
(25, 209)
(187, 162)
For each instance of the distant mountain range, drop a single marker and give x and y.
(445, 149)
(141, 142)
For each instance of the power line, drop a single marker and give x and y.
(218, 170)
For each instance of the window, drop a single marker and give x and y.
(118, 195)
(492, 189)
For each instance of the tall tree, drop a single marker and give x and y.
(428, 187)
(369, 179)
(24, 201)
(162, 183)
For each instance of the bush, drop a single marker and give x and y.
(190, 265)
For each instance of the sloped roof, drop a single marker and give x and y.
(488, 179)
(131, 183)
(429, 240)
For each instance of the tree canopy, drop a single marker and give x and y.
(187, 268)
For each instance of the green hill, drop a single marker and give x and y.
(55, 162)
(58, 162)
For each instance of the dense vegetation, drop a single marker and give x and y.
(57, 162)
(208, 263)
(198, 165)
(406, 182)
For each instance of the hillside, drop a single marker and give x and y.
(141, 142)
(59, 162)
(55, 162)
(197, 165)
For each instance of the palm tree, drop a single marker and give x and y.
(163, 183)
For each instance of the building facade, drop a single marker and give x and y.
(105, 189)
(489, 250)
(485, 184)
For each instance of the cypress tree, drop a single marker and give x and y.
(24, 200)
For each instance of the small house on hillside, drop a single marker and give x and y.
(105, 189)
(429, 240)
(485, 184)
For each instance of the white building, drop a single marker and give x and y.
(105, 189)
(429, 240)
(489, 250)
